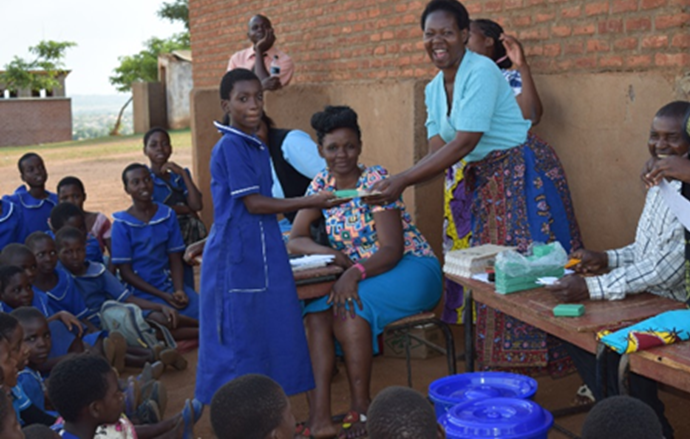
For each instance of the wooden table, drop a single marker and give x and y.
(666, 364)
(316, 282)
(535, 307)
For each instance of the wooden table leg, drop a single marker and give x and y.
(600, 372)
(468, 316)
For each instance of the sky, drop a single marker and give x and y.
(103, 31)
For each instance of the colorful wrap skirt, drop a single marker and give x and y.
(519, 196)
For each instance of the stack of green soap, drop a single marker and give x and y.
(506, 284)
(569, 310)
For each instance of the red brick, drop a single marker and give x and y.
(629, 43)
(610, 26)
(387, 35)
(512, 4)
(586, 62)
(573, 48)
(534, 34)
(474, 9)
(667, 21)
(655, 41)
(552, 49)
(380, 50)
(632, 24)
(672, 60)
(540, 18)
(522, 21)
(596, 8)
(571, 12)
(651, 4)
(534, 50)
(493, 6)
(611, 61)
(639, 61)
(624, 6)
(584, 29)
(535, 2)
(682, 40)
(597, 46)
(561, 31)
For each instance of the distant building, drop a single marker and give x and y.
(175, 73)
(29, 117)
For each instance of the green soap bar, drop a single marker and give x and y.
(569, 310)
(347, 193)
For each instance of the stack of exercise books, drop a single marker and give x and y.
(471, 261)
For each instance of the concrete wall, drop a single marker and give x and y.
(33, 121)
(149, 106)
(177, 76)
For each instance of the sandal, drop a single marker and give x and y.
(583, 397)
(115, 350)
(302, 432)
(170, 357)
(191, 413)
(156, 391)
(351, 420)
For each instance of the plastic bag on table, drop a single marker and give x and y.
(540, 260)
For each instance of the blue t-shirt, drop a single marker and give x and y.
(40, 302)
(163, 190)
(20, 401)
(483, 102)
(12, 225)
(34, 211)
(33, 386)
(97, 285)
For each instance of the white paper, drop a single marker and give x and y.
(311, 261)
(678, 204)
(547, 280)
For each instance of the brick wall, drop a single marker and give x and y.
(34, 121)
(341, 40)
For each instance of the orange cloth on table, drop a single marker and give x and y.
(246, 58)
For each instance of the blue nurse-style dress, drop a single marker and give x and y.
(34, 211)
(146, 247)
(12, 226)
(251, 320)
(65, 295)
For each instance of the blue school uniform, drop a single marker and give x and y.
(34, 211)
(40, 302)
(31, 382)
(165, 190)
(20, 401)
(12, 225)
(251, 320)
(146, 247)
(65, 296)
(97, 285)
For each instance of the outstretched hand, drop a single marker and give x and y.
(390, 190)
(325, 200)
(591, 262)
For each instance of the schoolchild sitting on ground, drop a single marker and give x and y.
(12, 224)
(654, 262)
(98, 285)
(86, 394)
(26, 411)
(68, 214)
(37, 339)
(246, 272)
(252, 407)
(71, 190)
(38, 431)
(400, 412)
(148, 247)
(54, 281)
(35, 202)
(9, 425)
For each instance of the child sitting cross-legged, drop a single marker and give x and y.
(252, 407)
(68, 214)
(35, 203)
(85, 392)
(147, 249)
(98, 285)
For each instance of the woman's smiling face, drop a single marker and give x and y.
(444, 41)
(341, 149)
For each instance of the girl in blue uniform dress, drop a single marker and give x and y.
(35, 202)
(250, 315)
(12, 226)
(147, 249)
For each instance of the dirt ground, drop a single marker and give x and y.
(99, 165)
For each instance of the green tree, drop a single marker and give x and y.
(40, 73)
(176, 10)
(143, 67)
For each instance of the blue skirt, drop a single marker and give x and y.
(413, 286)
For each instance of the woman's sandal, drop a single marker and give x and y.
(351, 420)
(302, 432)
(156, 391)
(191, 413)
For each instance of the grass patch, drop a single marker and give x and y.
(90, 148)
